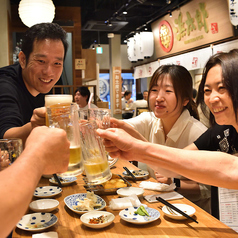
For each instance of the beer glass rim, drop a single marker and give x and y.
(58, 95)
(11, 139)
(62, 105)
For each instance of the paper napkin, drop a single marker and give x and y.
(162, 187)
(51, 234)
(122, 203)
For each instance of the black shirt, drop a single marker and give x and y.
(218, 138)
(16, 103)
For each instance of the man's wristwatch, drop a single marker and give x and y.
(177, 183)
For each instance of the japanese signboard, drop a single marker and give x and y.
(197, 23)
(117, 90)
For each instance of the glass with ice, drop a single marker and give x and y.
(94, 157)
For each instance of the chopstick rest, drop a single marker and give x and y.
(130, 173)
(175, 208)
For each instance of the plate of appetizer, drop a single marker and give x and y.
(37, 221)
(139, 174)
(97, 219)
(64, 180)
(84, 202)
(139, 215)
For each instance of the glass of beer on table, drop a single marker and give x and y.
(52, 99)
(10, 150)
(65, 116)
(95, 161)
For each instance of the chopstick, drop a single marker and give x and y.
(175, 208)
(130, 173)
(57, 179)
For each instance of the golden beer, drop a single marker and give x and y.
(96, 166)
(75, 155)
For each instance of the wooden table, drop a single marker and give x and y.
(69, 224)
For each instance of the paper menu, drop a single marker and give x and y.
(228, 207)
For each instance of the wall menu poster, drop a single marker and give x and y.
(117, 90)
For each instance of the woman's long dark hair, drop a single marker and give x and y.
(229, 64)
(182, 83)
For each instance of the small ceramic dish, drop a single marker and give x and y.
(72, 200)
(129, 215)
(189, 210)
(64, 181)
(37, 221)
(139, 174)
(44, 205)
(107, 219)
(47, 191)
(128, 191)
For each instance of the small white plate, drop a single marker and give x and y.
(47, 175)
(139, 174)
(44, 205)
(71, 201)
(64, 181)
(47, 191)
(129, 215)
(189, 210)
(128, 191)
(37, 221)
(85, 218)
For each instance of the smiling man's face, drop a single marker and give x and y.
(44, 66)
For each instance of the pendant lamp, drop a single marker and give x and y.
(33, 12)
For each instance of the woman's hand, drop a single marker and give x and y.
(162, 179)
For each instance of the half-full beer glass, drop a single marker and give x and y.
(52, 99)
(10, 150)
(65, 116)
(94, 158)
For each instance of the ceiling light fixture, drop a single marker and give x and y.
(36, 11)
(168, 1)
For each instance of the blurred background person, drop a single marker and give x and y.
(140, 102)
(126, 104)
(145, 95)
(81, 97)
(123, 88)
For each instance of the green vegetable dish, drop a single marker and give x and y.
(142, 211)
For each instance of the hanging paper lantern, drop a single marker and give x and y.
(233, 12)
(147, 44)
(33, 12)
(131, 50)
(137, 46)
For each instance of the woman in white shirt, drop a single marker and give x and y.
(172, 122)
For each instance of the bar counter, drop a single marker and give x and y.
(69, 224)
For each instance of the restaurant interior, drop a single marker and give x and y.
(106, 44)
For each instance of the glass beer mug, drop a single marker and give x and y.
(95, 161)
(51, 99)
(65, 116)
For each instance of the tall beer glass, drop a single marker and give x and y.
(65, 116)
(94, 158)
(52, 99)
